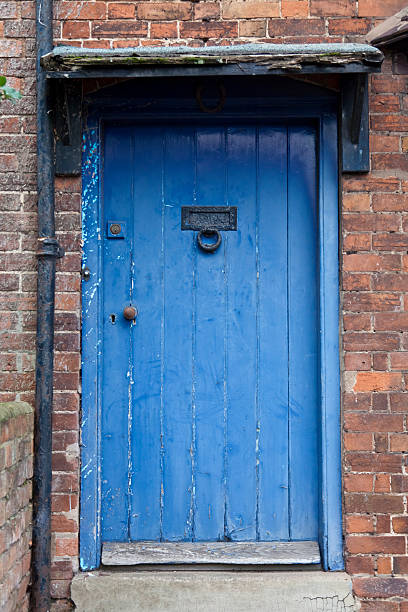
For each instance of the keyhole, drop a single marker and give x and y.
(112, 318)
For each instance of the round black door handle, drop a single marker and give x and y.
(130, 313)
(209, 247)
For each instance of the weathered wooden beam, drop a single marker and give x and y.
(226, 553)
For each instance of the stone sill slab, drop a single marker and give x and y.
(201, 591)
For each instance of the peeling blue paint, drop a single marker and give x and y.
(90, 430)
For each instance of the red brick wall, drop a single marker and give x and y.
(17, 203)
(121, 24)
(16, 460)
(375, 262)
(375, 341)
(65, 487)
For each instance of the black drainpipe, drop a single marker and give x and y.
(48, 251)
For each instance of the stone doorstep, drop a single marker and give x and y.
(212, 591)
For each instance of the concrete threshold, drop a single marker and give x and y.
(205, 591)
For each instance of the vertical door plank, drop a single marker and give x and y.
(241, 338)
(303, 338)
(209, 347)
(91, 358)
(273, 334)
(178, 451)
(147, 334)
(116, 337)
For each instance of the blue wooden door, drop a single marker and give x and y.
(210, 398)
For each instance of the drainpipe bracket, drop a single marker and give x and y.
(49, 247)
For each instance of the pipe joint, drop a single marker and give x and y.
(49, 247)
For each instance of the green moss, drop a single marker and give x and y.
(134, 59)
(11, 410)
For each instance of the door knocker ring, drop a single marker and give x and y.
(221, 100)
(205, 246)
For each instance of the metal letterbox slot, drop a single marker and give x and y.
(203, 218)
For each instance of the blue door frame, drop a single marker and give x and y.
(289, 101)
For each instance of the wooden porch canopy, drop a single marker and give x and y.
(391, 32)
(251, 59)
(350, 60)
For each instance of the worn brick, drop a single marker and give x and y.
(162, 11)
(370, 183)
(357, 242)
(358, 483)
(118, 29)
(349, 26)
(355, 201)
(383, 143)
(252, 28)
(356, 282)
(250, 9)
(380, 587)
(358, 341)
(292, 27)
(377, 381)
(357, 322)
(68, 10)
(359, 524)
(390, 282)
(377, 8)
(378, 462)
(66, 547)
(212, 29)
(376, 503)
(382, 483)
(371, 302)
(373, 422)
(164, 30)
(75, 29)
(371, 263)
(327, 8)
(360, 564)
(379, 400)
(399, 442)
(400, 524)
(385, 103)
(397, 321)
(375, 544)
(357, 361)
(390, 242)
(384, 565)
(206, 10)
(400, 565)
(370, 222)
(119, 10)
(294, 8)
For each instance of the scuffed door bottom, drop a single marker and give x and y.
(203, 553)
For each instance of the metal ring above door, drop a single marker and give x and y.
(208, 247)
(222, 96)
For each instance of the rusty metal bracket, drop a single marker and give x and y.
(49, 247)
